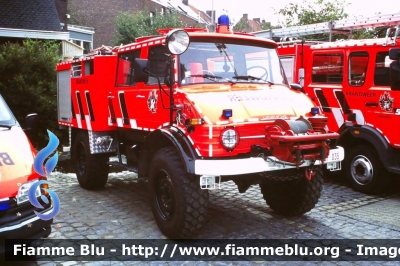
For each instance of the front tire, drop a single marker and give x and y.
(179, 205)
(292, 195)
(91, 169)
(364, 170)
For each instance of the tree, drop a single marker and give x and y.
(132, 25)
(28, 82)
(313, 11)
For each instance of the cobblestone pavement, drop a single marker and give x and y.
(122, 211)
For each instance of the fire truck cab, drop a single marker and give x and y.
(189, 109)
(17, 175)
(356, 83)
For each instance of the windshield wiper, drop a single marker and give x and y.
(250, 78)
(6, 126)
(211, 77)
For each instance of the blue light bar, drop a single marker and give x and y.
(4, 205)
(314, 110)
(226, 113)
(223, 20)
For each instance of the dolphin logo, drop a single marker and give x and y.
(49, 167)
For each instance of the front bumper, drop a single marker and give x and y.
(22, 223)
(251, 165)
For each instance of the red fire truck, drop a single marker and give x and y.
(356, 84)
(190, 109)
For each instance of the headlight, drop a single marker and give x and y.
(229, 138)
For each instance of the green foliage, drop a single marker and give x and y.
(132, 25)
(314, 11)
(28, 82)
(240, 26)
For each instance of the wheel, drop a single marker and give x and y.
(262, 77)
(91, 169)
(364, 170)
(179, 205)
(294, 196)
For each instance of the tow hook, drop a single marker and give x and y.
(310, 173)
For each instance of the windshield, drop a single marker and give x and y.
(206, 62)
(6, 117)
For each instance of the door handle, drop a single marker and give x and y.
(371, 104)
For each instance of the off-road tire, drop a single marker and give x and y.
(295, 196)
(91, 169)
(179, 205)
(364, 170)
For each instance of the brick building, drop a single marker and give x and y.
(101, 15)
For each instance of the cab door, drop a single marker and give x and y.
(383, 105)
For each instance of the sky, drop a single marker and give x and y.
(265, 10)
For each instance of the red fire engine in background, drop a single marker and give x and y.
(189, 109)
(356, 83)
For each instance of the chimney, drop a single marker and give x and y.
(185, 2)
(246, 17)
(256, 20)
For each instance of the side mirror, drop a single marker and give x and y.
(32, 126)
(177, 41)
(296, 87)
(395, 75)
(140, 70)
(394, 54)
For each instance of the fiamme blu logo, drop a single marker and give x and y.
(45, 170)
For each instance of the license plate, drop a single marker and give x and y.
(335, 155)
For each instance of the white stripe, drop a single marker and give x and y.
(145, 129)
(238, 120)
(198, 108)
(198, 152)
(253, 137)
(210, 133)
(88, 124)
(337, 113)
(119, 122)
(210, 150)
(387, 139)
(109, 121)
(133, 123)
(380, 131)
(78, 120)
(253, 119)
(222, 122)
(359, 117)
(368, 124)
(190, 139)
(207, 120)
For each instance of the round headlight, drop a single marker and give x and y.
(177, 41)
(229, 138)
